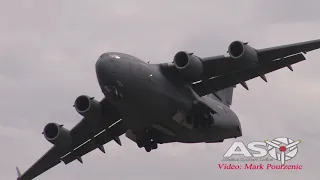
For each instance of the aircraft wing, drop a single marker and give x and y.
(83, 135)
(224, 64)
(220, 72)
(105, 136)
(228, 80)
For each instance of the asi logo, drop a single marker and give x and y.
(281, 149)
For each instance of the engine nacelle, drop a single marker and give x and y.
(188, 65)
(246, 55)
(57, 135)
(88, 107)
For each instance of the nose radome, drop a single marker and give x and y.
(103, 65)
(99, 65)
(104, 70)
(101, 70)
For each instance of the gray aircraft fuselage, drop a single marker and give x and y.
(151, 99)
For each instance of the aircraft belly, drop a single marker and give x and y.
(224, 127)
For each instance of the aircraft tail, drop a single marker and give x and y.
(224, 95)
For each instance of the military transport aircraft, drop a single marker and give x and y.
(185, 101)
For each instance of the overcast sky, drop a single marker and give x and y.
(47, 54)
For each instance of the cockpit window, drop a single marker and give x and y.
(103, 55)
(114, 56)
(109, 55)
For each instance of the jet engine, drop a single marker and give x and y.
(245, 54)
(88, 107)
(190, 66)
(57, 135)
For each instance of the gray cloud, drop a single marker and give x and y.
(47, 56)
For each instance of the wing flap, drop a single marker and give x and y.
(225, 81)
(99, 140)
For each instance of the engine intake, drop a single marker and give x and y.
(88, 107)
(246, 55)
(190, 66)
(57, 135)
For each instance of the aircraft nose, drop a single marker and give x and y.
(99, 65)
(103, 70)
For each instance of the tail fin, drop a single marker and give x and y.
(224, 95)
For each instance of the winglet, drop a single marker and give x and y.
(18, 173)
